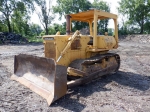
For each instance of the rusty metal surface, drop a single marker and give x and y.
(68, 25)
(95, 69)
(60, 82)
(100, 62)
(95, 75)
(41, 75)
(76, 72)
(76, 45)
(95, 63)
(50, 50)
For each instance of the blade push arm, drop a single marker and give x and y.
(71, 39)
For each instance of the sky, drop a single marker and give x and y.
(113, 9)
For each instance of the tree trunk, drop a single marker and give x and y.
(142, 24)
(46, 29)
(142, 29)
(9, 25)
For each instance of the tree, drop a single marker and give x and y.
(9, 7)
(61, 28)
(35, 29)
(45, 15)
(53, 29)
(3, 26)
(110, 31)
(147, 27)
(64, 7)
(137, 12)
(6, 8)
(19, 19)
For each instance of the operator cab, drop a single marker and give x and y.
(97, 42)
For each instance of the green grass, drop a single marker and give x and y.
(35, 39)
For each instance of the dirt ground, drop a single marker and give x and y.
(125, 91)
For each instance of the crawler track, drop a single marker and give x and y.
(92, 68)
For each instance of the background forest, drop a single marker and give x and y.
(15, 16)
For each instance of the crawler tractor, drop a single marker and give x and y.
(70, 60)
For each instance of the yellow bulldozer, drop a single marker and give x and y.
(70, 60)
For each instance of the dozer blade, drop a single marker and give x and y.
(41, 75)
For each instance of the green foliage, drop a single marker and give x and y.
(35, 29)
(60, 28)
(35, 39)
(14, 17)
(64, 7)
(3, 27)
(122, 31)
(110, 31)
(147, 27)
(19, 22)
(57, 27)
(42, 33)
(137, 13)
(45, 14)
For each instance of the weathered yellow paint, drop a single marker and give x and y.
(95, 31)
(93, 16)
(58, 45)
(59, 48)
(106, 42)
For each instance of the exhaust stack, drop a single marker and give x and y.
(68, 25)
